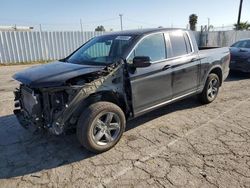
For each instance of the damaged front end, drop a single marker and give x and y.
(54, 108)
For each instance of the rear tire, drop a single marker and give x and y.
(211, 89)
(100, 126)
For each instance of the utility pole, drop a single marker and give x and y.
(43, 44)
(121, 21)
(208, 23)
(239, 15)
(81, 29)
(81, 25)
(40, 27)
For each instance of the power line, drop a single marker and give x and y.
(56, 23)
(104, 20)
(141, 22)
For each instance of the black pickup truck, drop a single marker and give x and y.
(115, 77)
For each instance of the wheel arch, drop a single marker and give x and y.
(216, 70)
(108, 96)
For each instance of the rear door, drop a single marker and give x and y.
(185, 64)
(150, 85)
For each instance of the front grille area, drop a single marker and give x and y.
(29, 99)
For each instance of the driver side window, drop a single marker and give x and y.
(152, 46)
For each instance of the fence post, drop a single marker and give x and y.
(235, 38)
(43, 45)
(1, 48)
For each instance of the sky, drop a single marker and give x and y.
(66, 14)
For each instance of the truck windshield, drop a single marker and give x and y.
(101, 50)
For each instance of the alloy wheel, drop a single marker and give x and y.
(212, 90)
(106, 128)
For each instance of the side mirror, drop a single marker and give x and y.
(141, 61)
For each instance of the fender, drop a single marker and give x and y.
(214, 67)
(110, 87)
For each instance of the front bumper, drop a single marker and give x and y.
(21, 118)
(26, 117)
(36, 109)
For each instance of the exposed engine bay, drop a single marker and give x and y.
(57, 108)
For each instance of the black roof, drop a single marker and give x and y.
(142, 31)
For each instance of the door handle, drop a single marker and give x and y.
(194, 59)
(166, 67)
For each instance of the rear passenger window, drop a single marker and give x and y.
(178, 43)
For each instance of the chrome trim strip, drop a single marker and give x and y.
(190, 41)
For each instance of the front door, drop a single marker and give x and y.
(150, 85)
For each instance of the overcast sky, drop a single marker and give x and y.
(66, 14)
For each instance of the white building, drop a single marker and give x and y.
(15, 28)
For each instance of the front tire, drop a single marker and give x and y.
(211, 89)
(101, 126)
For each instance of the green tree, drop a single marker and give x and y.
(100, 28)
(242, 26)
(193, 21)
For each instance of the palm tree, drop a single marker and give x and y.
(100, 28)
(193, 21)
(242, 26)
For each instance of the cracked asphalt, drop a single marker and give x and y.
(185, 144)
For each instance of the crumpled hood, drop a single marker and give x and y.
(53, 74)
